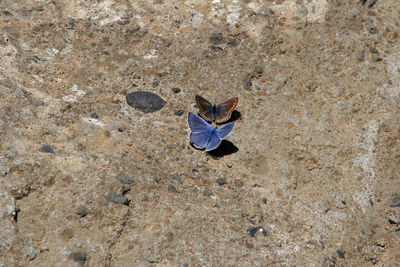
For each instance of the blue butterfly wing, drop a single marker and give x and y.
(214, 141)
(201, 131)
(225, 130)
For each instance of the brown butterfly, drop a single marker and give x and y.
(217, 113)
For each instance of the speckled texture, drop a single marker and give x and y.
(313, 160)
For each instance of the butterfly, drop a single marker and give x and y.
(203, 135)
(218, 113)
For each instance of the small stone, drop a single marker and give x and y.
(81, 211)
(29, 253)
(208, 193)
(360, 55)
(176, 177)
(238, 183)
(130, 247)
(47, 149)
(146, 102)
(37, 102)
(172, 189)
(43, 248)
(117, 198)
(220, 181)
(94, 115)
(376, 57)
(394, 219)
(125, 179)
(247, 82)
(381, 242)
(216, 39)
(179, 112)
(252, 230)
(155, 84)
(395, 202)
(340, 253)
(38, 8)
(175, 90)
(79, 256)
(371, 28)
(264, 200)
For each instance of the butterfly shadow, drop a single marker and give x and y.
(225, 148)
(234, 116)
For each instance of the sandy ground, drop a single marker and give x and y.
(308, 177)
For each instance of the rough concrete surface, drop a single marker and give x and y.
(306, 178)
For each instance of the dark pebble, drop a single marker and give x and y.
(175, 90)
(130, 247)
(146, 102)
(179, 112)
(172, 189)
(252, 230)
(125, 179)
(155, 84)
(220, 181)
(47, 149)
(340, 253)
(264, 200)
(395, 202)
(376, 57)
(81, 211)
(118, 198)
(79, 256)
(38, 8)
(216, 39)
(94, 115)
(176, 177)
(360, 55)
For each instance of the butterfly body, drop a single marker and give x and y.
(217, 113)
(205, 136)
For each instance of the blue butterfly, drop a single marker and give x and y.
(204, 136)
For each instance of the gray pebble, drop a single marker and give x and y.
(38, 8)
(172, 189)
(179, 112)
(125, 179)
(340, 253)
(175, 177)
(118, 198)
(78, 256)
(360, 55)
(47, 149)
(395, 202)
(155, 84)
(37, 102)
(146, 102)
(94, 115)
(81, 211)
(376, 57)
(216, 39)
(29, 253)
(394, 219)
(264, 200)
(220, 181)
(175, 90)
(371, 28)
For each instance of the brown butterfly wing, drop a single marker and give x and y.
(205, 107)
(224, 110)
